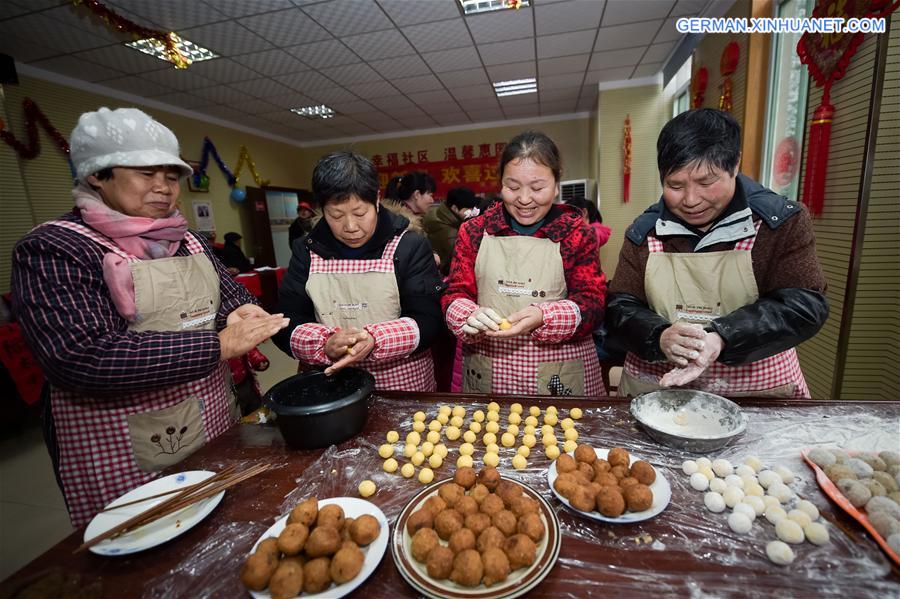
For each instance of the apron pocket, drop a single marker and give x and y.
(477, 373)
(164, 437)
(561, 378)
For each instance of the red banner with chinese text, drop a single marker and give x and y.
(477, 171)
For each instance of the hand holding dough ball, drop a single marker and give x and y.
(779, 553)
(366, 488)
(505, 325)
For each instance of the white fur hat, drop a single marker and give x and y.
(122, 137)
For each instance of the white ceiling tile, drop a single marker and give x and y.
(686, 8)
(432, 97)
(258, 107)
(400, 67)
(380, 44)
(86, 21)
(421, 83)
(518, 100)
(376, 89)
(558, 107)
(410, 12)
(223, 94)
(626, 36)
(463, 78)
(568, 16)
(565, 44)
(243, 8)
(402, 112)
(586, 103)
(549, 82)
(59, 36)
(23, 49)
(501, 25)
(290, 100)
(439, 35)
(328, 53)
(285, 27)
(305, 81)
(447, 105)
(392, 102)
(124, 59)
(136, 84)
(227, 38)
(646, 70)
(9, 10)
(422, 122)
(512, 70)
(343, 17)
(183, 100)
(171, 15)
(332, 94)
(484, 90)
(453, 60)
(616, 58)
(178, 79)
(617, 74)
(271, 62)
(70, 66)
(480, 104)
(521, 112)
(505, 52)
(485, 114)
(225, 112)
(629, 12)
(223, 70)
(352, 107)
(452, 118)
(262, 88)
(668, 33)
(559, 93)
(658, 52)
(352, 74)
(564, 64)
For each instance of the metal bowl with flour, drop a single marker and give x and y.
(687, 419)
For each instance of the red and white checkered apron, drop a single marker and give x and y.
(96, 460)
(752, 379)
(411, 373)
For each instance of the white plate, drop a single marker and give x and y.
(374, 551)
(157, 532)
(662, 494)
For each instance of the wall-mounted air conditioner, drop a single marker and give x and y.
(578, 188)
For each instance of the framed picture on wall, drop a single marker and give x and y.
(203, 187)
(203, 215)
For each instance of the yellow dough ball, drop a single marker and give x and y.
(513, 430)
(514, 418)
(409, 450)
(470, 437)
(548, 440)
(435, 426)
(531, 421)
(366, 488)
(552, 452)
(489, 438)
(407, 470)
(571, 434)
(419, 417)
(529, 441)
(494, 406)
(393, 436)
(519, 462)
(466, 449)
(453, 433)
(386, 450)
(390, 465)
(493, 416)
(508, 440)
(443, 418)
(524, 450)
(492, 448)
(435, 461)
(417, 458)
(419, 427)
(505, 325)
(478, 416)
(414, 438)
(575, 413)
(534, 411)
(444, 410)
(475, 427)
(456, 421)
(567, 423)
(516, 408)
(528, 430)
(458, 411)
(427, 448)
(492, 427)
(441, 450)
(551, 410)
(550, 418)
(433, 437)
(547, 430)
(426, 475)
(569, 446)
(491, 459)
(464, 461)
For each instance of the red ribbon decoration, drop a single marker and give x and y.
(34, 116)
(698, 87)
(626, 161)
(731, 55)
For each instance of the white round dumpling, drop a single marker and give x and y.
(754, 462)
(779, 553)
(714, 502)
(855, 492)
(740, 523)
(718, 485)
(781, 492)
(746, 509)
(699, 482)
(775, 514)
(771, 502)
(704, 462)
(860, 468)
(707, 472)
(800, 517)
(754, 489)
(756, 503)
(789, 531)
(732, 496)
(808, 507)
(733, 480)
(881, 503)
(890, 457)
(885, 524)
(767, 478)
(745, 471)
(821, 457)
(722, 467)
(689, 467)
(785, 473)
(816, 533)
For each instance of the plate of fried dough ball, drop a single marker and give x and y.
(477, 535)
(321, 549)
(609, 485)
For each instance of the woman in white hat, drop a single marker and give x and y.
(130, 315)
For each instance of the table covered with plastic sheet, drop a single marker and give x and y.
(685, 550)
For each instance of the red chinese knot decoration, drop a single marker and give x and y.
(626, 161)
(698, 87)
(731, 55)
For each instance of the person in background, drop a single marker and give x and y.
(232, 256)
(304, 223)
(391, 190)
(442, 224)
(593, 218)
(415, 195)
(361, 288)
(130, 316)
(525, 287)
(718, 281)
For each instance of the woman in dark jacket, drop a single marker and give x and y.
(360, 288)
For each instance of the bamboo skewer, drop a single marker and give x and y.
(186, 497)
(225, 471)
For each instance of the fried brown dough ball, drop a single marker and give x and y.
(491, 504)
(258, 570)
(346, 564)
(606, 479)
(331, 515)
(585, 453)
(496, 566)
(565, 463)
(565, 484)
(292, 539)
(317, 575)
(423, 542)
(489, 477)
(365, 529)
(520, 550)
(306, 512)
(269, 545)
(322, 541)
(619, 472)
(435, 505)
(600, 465)
(345, 529)
(627, 482)
(507, 491)
(524, 505)
(610, 502)
(643, 472)
(465, 477)
(287, 582)
(451, 493)
(532, 526)
(638, 497)
(504, 520)
(348, 543)
(583, 481)
(421, 518)
(477, 522)
(479, 492)
(582, 499)
(586, 470)
(461, 540)
(467, 568)
(440, 563)
(466, 505)
(594, 488)
(448, 522)
(618, 456)
(490, 537)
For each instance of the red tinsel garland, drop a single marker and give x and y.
(626, 161)
(34, 116)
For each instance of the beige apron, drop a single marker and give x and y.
(697, 288)
(513, 273)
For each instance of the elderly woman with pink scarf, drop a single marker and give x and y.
(130, 315)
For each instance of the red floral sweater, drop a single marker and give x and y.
(585, 281)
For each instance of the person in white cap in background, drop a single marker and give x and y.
(130, 315)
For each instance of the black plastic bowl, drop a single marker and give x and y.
(315, 410)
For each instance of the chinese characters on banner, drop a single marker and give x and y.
(469, 166)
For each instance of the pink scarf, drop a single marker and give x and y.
(145, 238)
